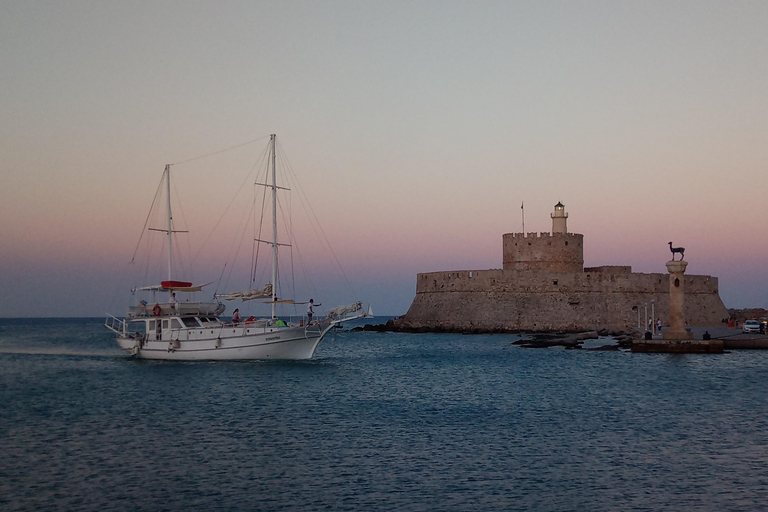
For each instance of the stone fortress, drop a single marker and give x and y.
(544, 286)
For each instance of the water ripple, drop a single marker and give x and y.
(379, 422)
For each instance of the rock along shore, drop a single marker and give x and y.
(530, 340)
(724, 337)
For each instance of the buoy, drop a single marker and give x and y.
(218, 342)
(157, 310)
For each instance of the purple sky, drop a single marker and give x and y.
(416, 128)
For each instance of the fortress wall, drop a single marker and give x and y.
(556, 252)
(543, 281)
(547, 301)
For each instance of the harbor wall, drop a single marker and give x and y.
(541, 300)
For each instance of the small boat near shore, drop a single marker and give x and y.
(190, 330)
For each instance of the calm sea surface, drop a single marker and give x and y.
(377, 422)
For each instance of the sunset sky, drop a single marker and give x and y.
(417, 129)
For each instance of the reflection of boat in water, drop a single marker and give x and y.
(183, 330)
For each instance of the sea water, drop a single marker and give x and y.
(377, 421)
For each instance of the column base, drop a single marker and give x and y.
(677, 335)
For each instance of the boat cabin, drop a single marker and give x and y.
(188, 321)
(169, 327)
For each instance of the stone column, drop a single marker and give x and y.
(677, 302)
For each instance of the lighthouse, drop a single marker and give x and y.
(559, 217)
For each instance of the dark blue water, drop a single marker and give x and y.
(377, 422)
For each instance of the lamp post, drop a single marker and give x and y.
(646, 316)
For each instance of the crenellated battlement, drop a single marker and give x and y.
(534, 235)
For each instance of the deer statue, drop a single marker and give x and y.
(681, 250)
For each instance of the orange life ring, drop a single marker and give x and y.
(157, 310)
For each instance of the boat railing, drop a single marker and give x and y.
(114, 324)
(176, 308)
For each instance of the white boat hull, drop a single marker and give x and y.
(286, 343)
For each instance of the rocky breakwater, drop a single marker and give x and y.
(622, 339)
(576, 341)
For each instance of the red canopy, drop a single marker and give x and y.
(175, 284)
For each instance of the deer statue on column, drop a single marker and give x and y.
(674, 250)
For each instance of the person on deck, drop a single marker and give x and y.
(311, 311)
(277, 322)
(236, 317)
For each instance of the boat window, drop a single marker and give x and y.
(189, 321)
(165, 324)
(204, 320)
(175, 324)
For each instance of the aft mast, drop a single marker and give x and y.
(274, 227)
(273, 241)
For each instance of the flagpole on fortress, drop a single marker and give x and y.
(522, 209)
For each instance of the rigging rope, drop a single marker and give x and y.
(149, 214)
(179, 255)
(221, 218)
(220, 151)
(316, 224)
(257, 237)
(297, 267)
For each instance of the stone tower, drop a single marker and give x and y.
(559, 217)
(559, 251)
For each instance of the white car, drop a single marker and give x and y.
(750, 326)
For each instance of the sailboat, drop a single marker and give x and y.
(187, 331)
